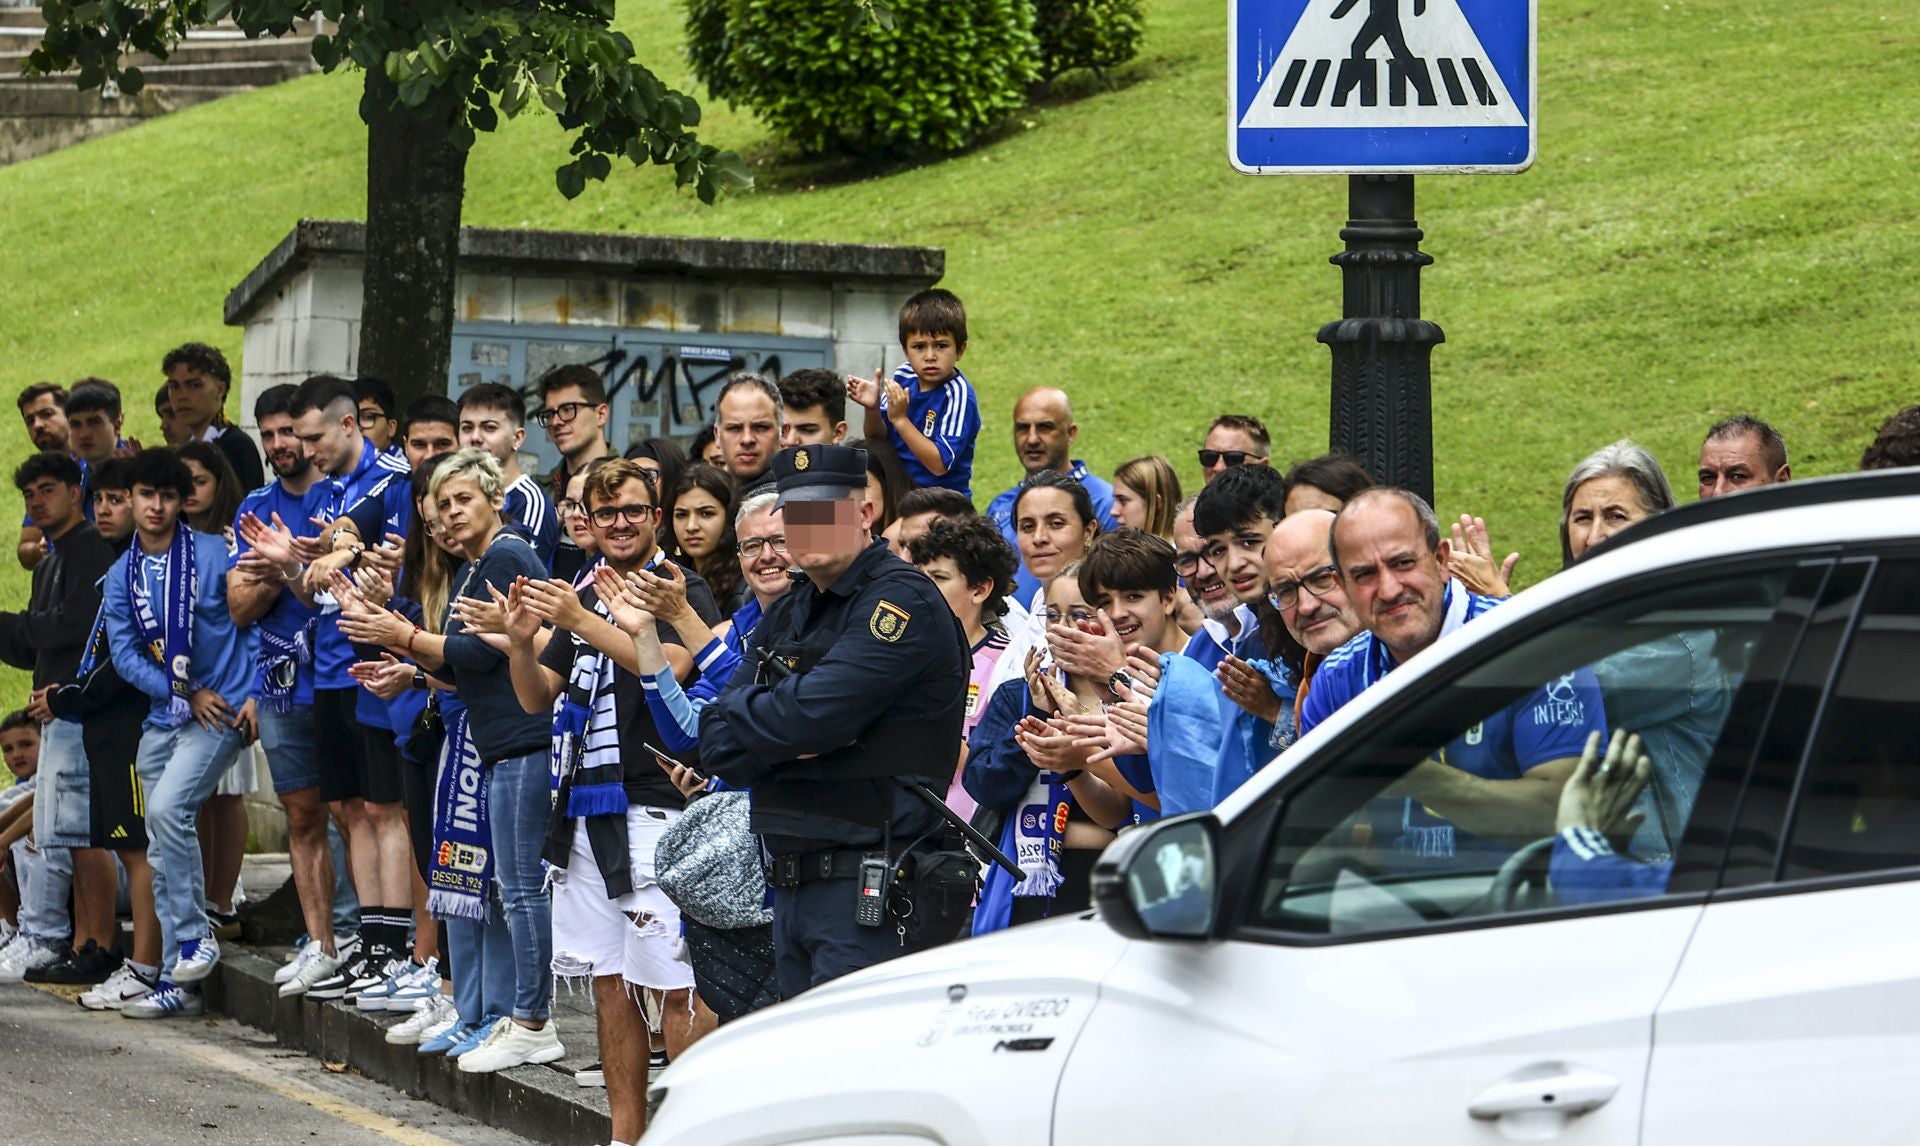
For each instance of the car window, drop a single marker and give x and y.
(1444, 809)
(1858, 809)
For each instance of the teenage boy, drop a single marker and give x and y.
(814, 408)
(1234, 516)
(259, 598)
(573, 409)
(927, 409)
(433, 428)
(48, 637)
(170, 430)
(43, 407)
(197, 382)
(173, 638)
(611, 921)
(109, 713)
(359, 772)
(493, 419)
(377, 413)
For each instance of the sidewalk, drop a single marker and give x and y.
(538, 1102)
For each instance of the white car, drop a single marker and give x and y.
(1282, 971)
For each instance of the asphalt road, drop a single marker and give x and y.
(70, 1077)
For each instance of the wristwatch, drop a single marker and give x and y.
(1117, 680)
(419, 678)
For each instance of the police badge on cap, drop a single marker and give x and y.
(818, 472)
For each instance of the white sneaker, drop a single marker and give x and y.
(25, 955)
(196, 961)
(512, 1045)
(432, 1013)
(122, 987)
(297, 962)
(321, 966)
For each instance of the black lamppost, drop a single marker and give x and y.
(1382, 408)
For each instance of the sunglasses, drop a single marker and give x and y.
(1211, 458)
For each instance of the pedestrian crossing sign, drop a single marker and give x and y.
(1354, 86)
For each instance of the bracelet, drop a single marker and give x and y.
(410, 637)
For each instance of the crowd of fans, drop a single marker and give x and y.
(479, 691)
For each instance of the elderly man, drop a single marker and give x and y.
(1043, 436)
(1500, 780)
(1304, 585)
(1739, 453)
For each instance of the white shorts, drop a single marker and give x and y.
(242, 777)
(592, 935)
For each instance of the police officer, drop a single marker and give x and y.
(853, 683)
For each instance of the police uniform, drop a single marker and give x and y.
(845, 693)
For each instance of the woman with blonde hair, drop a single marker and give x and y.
(1145, 490)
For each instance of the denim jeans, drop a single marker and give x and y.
(178, 768)
(295, 765)
(519, 803)
(44, 917)
(483, 964)
(61, 822)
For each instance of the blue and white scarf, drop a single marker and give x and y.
(462, 861)
(168, 632)
(280, 659)
(1040, 832)
(586, 736)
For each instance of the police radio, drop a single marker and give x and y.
(870, 902)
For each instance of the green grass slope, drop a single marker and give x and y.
(1721, 218)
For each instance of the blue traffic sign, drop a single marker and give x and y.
(1345, 86)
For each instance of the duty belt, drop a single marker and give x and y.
(805, 867)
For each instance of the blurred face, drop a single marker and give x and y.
(1222, 442)
(1602, 507)
(201, 499)
(809, 426)
(430, 439)
(623, 524)
(748, 431)
(1300, 572)
(196, 396)
(1397, 585)
(492, 431)
(652, 466)
(764, 560)
(375, 424)
(1239, 556)
(698, 523)
(573, 515)
(52, 505)
(331, 439)
(1044, 431)
(903, 533)
(1304, 497)
(91, 435)
(1139, 615)
(823, 536)
(713, 455)
(933, 357)
(964, 599)
(46, 423)
(1735, 463)
(1129, 508)
(113, 513)
(1050, 532)
(284, 456)
(21, 749)
(155, 511)
(575, 426)
(1204, 583)
(468, 518)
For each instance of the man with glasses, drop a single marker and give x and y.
(1234, 440)
(1304, 585)
(573, 411)
(377, 408)
(1222, 619)
(765, 565)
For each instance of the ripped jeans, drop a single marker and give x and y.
(635, 936)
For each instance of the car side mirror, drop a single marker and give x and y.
(1161, 880)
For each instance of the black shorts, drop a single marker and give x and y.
(118, 805)
(356, 762)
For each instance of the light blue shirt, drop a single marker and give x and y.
(222, 655)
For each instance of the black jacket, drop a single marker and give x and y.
(49, 636)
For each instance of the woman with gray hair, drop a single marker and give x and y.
(1612, 488)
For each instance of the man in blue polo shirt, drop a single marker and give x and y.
(1495, 786)
(260, 597)
(1043, 435)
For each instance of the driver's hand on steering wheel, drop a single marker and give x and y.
(1604, 786)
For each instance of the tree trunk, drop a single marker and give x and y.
(416, 179)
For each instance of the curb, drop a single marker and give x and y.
(535, 1102)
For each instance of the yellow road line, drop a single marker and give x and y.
(264, 1076)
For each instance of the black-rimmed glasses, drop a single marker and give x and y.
(606, 515)
(1286, 594)
(1211, 458)
(753, 547)
(563, 413)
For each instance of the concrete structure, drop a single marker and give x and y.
(665, 320)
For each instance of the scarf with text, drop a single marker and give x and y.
(462, 860)
(167, 631)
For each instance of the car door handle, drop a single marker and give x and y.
(1547, 1086)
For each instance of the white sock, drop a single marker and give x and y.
(147, 971)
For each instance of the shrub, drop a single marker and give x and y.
(920, 76)
(1092, 34)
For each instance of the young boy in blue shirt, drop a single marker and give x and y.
(927, 409)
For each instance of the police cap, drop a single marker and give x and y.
(819, 472)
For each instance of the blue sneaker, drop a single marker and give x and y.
(416, 988)
(452, 1037)
(377, 997)
(167, 1000)
(197, 957)
(487, 1028)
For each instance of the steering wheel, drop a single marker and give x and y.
(1521, 882)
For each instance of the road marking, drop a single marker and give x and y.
(264, 1076)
